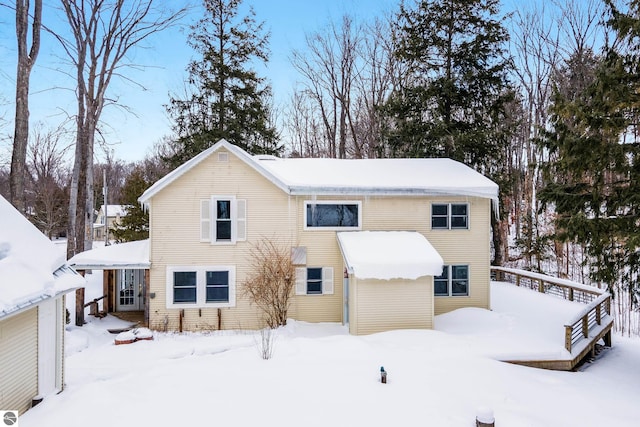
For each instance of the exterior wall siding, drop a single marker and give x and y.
(175, 238)
(470, 247)
(380, 305)
(19, 360)
(272, 214)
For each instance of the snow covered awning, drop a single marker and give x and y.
(129, 255)
(388, 255)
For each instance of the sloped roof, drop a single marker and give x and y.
(132, 255)
(114, 210)
(32, 268)
(353, 176)
(387, 255)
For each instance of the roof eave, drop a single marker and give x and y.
(301, 190)
(190, 164)
(88, 266)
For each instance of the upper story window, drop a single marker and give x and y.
(223, 219)
(332, 214)
(447, 216)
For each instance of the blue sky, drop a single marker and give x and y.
(131, 133)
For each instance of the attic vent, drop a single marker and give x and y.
(223, 157)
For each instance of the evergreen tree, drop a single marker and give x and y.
(592, 177)
(228, 99)
(134, 225)
(454, 103)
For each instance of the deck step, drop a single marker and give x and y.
(599, 351)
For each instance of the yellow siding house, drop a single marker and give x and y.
(378, 244)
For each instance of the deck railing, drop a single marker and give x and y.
(594, 315)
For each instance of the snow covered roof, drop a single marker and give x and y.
(114, 210)
(387, 255)
(354, 176)
(32, 267)
(134, 255)
(380, 176)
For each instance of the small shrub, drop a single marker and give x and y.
(269, 285)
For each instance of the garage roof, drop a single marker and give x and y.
(388, 255)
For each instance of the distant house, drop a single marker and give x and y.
(379, 244)
(34, 279)
(108, 216)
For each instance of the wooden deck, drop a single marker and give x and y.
(135, 317)
(582, 333)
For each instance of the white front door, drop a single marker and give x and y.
(130, 290)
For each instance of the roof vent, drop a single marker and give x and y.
(265, 157)
(223, 157)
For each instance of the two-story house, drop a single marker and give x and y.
(379, 244)
(107, 218)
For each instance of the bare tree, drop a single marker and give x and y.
(329, 66)
(270, 282)
(103, 32)
(536, 53)
(49, 175)
(26, 58)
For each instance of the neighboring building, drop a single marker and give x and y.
(109, 218)
(34, 278)
(379, 244)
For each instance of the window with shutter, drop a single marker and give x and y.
(241, 220)
(301, 281)
(327, 280)
(223, 220)
(205, 220)
(314, 281)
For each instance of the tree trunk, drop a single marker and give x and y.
(23, 72)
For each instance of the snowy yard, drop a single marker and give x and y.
(321, 376)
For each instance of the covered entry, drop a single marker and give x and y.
(390, 280)
(125, 269)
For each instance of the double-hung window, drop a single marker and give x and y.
(314, 280)
(200, 286)
(184, 287)
(217, 283)
(449, 216)
(324, 214)
(453, 282)
(223, 219)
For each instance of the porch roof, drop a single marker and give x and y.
(129, 255)
(388, 255)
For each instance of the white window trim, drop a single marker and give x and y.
(332, 202)
(450, 280)
(212, 219)
(327, 281)
(201, 286)
(449, 204)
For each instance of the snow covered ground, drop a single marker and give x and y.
(321, 376)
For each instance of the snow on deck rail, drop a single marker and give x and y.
(591, 323)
